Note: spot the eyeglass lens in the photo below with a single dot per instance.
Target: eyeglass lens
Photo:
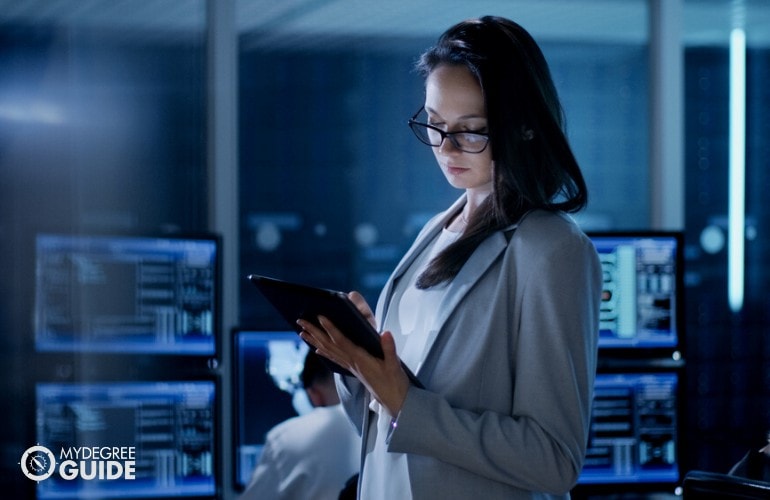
(469, 142)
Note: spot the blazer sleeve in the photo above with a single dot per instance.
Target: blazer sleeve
(540, 445)
(354, 400)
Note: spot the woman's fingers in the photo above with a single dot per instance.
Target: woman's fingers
(313, 335)
(384, 378)
(329, 341)
(358, 300)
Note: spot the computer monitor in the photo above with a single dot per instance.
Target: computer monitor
(266, 391)
(164, 432)
(634, 430)
(643, 286)
(127, 294)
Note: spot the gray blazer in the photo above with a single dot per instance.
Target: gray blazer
(509, 375)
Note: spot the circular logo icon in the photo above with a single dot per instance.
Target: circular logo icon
(38, 463)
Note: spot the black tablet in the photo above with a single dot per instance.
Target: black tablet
(295, 301)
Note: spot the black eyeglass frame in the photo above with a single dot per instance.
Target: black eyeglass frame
(444, 135)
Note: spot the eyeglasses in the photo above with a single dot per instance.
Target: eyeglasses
(469, 142)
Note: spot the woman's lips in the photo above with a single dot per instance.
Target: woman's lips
(455, 170)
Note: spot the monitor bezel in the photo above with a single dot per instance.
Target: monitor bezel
(235, 389)
(83, 348)
(675, 352)
(217, 445)
(589, 490)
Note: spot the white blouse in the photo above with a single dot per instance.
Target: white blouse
(410, 319)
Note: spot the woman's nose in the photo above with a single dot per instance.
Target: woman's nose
(448, 146)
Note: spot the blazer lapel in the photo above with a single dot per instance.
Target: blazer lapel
(478, 263)
(427, 235)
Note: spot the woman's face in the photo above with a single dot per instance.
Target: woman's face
(454, 103)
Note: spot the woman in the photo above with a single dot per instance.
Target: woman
(495, 306)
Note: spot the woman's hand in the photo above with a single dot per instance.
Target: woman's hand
(384, 378)
(359, 301)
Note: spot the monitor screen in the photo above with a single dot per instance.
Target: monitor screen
(127, 439)
(642, 289)
(121, 294)
(633, 436)
(267, 391)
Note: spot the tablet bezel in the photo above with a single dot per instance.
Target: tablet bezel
(295, 301)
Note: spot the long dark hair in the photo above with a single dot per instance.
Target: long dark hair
(534, 166)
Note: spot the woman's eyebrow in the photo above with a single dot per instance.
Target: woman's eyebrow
(463, 117)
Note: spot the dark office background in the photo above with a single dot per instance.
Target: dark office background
(333, 187)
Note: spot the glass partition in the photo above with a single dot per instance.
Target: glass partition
(102, 133)
(727, 68)
(334, 186)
